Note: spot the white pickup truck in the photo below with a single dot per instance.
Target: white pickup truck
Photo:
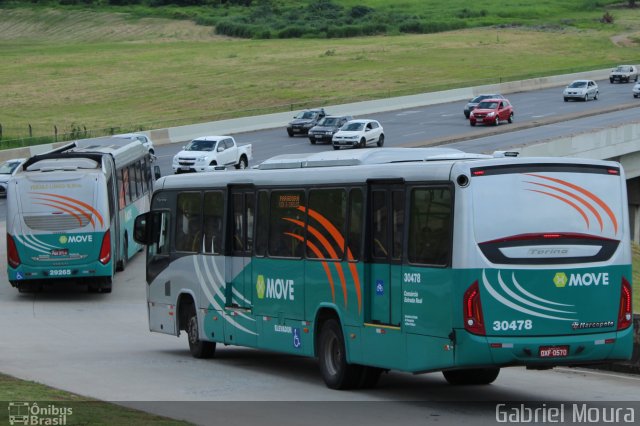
(209, 153)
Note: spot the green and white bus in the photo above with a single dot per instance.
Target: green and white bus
(416, 260)
(70, 213)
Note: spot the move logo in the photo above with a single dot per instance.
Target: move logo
(64, 239)
(260, 287)
(275, 288)
(581, 280)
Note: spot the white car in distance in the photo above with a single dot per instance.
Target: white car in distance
(359, 134)
(8, 169)
(581, 90)
(146, 140)
(636, 90)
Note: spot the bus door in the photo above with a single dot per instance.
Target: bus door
(384, 248)
(239, 290)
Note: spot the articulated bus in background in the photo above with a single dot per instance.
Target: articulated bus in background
(415, 260)
(70, 213)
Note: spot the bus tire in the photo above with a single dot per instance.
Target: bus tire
(332, 355)
(471, 376)
(197, 347)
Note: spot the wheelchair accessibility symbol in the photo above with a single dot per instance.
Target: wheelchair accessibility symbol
(296, 338)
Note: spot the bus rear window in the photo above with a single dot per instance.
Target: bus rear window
(547, 215)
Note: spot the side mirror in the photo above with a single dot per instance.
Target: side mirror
(156, 172)
(140, 229)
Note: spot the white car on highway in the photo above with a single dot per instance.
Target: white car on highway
(359, 133)
(8, 169)
(146, 140)
(581, 90)
(636, 90)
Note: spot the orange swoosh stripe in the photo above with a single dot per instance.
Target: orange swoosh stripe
(71, 206)
(327, 245)
(571, 203)
(580, 199)
(73, 200)
(339, 239)
(71, 212)
(583, 191)
(325, 265)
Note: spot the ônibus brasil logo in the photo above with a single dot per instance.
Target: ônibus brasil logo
(64, 239)
(581, 280)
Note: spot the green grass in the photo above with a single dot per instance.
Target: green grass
(84, 411)
(82, 69)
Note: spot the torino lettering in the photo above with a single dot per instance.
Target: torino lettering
(280, 289)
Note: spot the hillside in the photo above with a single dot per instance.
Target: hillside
(73, 69)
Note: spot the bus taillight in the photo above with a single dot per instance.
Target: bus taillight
(472, 307)
(625, 314)
(105, 249)
(12, 253)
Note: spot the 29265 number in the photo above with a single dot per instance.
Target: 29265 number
(512, 325)
(59, 272)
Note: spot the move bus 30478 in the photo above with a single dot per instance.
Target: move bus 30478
(416, 260)
(70, 213)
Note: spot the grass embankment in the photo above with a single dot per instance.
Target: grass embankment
(83, 411)
(76, 70)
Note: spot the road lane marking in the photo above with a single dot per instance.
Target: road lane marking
(596, 373)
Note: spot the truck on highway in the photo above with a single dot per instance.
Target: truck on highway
(209, 153)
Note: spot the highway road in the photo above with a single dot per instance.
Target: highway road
(98, 345)
(539, 115)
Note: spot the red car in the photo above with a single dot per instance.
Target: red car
(492, 111)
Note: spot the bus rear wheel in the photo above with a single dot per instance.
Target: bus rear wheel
(197, 347)
(472, 376)
(332, 354)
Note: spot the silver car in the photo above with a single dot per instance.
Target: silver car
(146, 140)
(8, 169)
(581, 90)
(636, 90)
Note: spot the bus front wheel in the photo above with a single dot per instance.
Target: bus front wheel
(472, 376)
(336, 372)
(197, 347)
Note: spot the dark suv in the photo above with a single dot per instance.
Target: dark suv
(470, 106)
(304, 121)
(324, 130)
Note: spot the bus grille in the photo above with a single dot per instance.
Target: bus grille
(62, 222)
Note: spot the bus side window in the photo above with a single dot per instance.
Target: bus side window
(188, 222)
(213, 214)
(354, 240)
(161, 229)
(286, 225)
(380, 246)
(262, 223)
(430, 226)
(328, 213)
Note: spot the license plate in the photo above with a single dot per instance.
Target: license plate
(553, 351)
(60, 252)
(184, 168)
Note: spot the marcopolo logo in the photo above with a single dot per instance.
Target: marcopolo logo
(587, 279)
(275, 288)
(64, 239)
